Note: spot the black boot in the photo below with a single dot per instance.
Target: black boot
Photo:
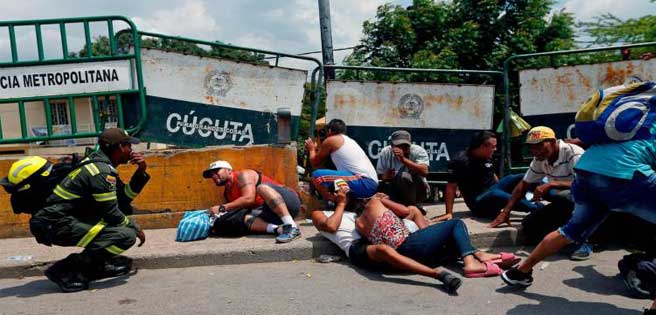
(101, 265)
(68, 279)
(114, 267)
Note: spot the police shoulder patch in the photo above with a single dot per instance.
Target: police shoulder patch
(111, 179)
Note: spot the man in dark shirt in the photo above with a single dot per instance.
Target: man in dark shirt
(473, 172)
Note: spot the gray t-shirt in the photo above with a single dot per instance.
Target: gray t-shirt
(387, 160)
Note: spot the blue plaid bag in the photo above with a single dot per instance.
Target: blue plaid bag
(194, 225)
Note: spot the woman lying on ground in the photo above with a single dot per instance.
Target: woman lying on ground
(380, 223)
(339, 227)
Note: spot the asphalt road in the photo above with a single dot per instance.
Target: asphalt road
(562, 287)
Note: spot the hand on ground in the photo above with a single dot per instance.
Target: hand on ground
(444, 217)
(503, 217)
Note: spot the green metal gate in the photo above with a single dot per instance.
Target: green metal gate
(99, 100)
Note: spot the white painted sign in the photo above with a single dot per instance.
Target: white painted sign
(222, 82)
(564, 89)
(411, 105)
(77, 78)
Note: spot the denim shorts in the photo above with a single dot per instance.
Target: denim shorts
(595, 195)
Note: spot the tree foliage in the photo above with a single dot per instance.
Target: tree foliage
(608, 29)
(101, 47)
(461, 34)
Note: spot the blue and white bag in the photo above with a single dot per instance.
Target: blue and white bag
(194, 225)
(619, 113)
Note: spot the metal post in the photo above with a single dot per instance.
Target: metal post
(326, 37)
(284, 120)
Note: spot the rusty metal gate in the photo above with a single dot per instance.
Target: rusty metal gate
(551, 96)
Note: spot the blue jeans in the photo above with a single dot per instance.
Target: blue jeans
(489, 203)
(595, 195)
(437, 242)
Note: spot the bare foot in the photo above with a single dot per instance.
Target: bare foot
(483, 256)
(474, 267)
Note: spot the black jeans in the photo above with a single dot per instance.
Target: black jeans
(405, 188)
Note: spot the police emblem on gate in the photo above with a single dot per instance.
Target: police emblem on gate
(411, 106)
(218, 83)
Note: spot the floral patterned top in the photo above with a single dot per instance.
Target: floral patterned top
(388, 229)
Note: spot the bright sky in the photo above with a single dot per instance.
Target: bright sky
(290, 26)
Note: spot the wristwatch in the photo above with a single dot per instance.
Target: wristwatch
(222, 208)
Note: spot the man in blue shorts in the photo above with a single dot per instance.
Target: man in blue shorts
(609, 177)
(353, 165)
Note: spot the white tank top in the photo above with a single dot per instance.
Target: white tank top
(350, 157)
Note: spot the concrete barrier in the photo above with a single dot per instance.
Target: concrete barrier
(176, 183)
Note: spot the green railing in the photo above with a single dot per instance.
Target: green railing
(98, 100)
(506, 153)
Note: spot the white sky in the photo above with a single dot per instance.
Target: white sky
(290, 26)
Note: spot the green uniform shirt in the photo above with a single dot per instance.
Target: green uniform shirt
(93, 193)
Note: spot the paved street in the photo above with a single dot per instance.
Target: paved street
(305, 287)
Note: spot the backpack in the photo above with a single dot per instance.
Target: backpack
(619, 113)
(639, 274)
(32, 179)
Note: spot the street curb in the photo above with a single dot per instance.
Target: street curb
(305, 248)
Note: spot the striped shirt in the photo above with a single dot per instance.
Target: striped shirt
(561, 170)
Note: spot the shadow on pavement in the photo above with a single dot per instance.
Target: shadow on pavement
(607, 286)
(387, 275)
(562, 306)
(31, 289)
(44, 286)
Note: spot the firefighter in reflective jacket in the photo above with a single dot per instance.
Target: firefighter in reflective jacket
(88, 209)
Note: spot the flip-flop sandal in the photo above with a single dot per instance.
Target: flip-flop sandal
(507, 260)
(492, 270)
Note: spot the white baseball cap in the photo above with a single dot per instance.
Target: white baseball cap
(215, 166)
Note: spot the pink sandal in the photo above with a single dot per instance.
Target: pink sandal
(492, 270)
(507, 260)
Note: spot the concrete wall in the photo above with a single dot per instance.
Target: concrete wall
(176, 183)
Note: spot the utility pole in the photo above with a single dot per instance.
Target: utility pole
(326, 37)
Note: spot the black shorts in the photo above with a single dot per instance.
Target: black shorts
(292, 201)
(232, 223)
(358, 256)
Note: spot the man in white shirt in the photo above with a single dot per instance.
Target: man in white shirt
(555, 160)
(353, 165)
(403, 168)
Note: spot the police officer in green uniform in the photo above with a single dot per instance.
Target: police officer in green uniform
(88, 209)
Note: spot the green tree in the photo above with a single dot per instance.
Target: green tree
(101, 47)
(306, 110)
(608, 29)
(462, 34)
